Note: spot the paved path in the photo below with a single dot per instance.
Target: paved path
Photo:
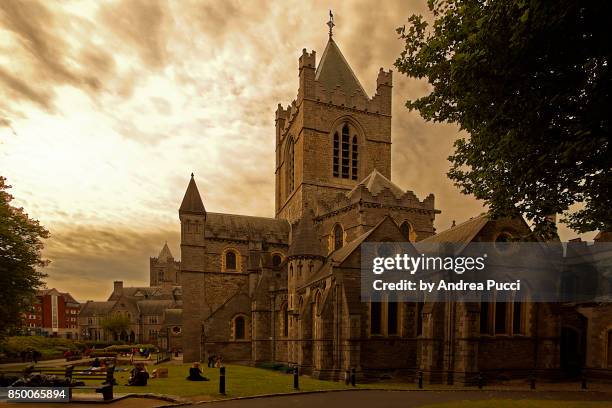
(393, 399)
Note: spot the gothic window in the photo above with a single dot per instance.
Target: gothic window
(299, 270)
(345, 155)
(338, 237)
(345, 151)
(406, 230)
(485, 310)
(609, 348)
(517, 325)
(375, 318)
(230, 261)
(517, 315)
(419, 318)
(354, 159)
(500, 317)
(285, 315)
(392, 316)
(276, 260)
(336, 163)
(239, 328)
(291, 271)
(290, 173)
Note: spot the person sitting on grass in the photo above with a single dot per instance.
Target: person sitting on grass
(195, 373)
(139, 375)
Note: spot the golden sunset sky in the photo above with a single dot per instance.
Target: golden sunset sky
(107, 107)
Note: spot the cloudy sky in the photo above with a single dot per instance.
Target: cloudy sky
(107, 107)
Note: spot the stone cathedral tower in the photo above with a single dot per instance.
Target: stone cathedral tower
(332, 136)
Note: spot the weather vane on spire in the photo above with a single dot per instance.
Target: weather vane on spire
(330, 23)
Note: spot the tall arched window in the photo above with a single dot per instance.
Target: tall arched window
(285, 314)
(375, 318)
(392, 316)
(230, 261)
(354, 158)
(345, 154)
(345, 151)
(239, 328)
(336, 162)
(609, 348)
(485, 310)
(517, 315)
(419, 318)
(290, 160)
(338, 237)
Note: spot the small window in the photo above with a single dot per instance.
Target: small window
(239, 328)
(338, 237)
(276, 260)
(230, 260)
(406, 230)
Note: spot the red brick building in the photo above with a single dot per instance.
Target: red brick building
(53, 314)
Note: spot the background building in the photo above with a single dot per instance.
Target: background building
(53, 314)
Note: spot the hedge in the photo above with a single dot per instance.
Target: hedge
(127, 348)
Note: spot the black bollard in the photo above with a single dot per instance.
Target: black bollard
(296, 379)
(347, 377)
(532, 382)
(583, 384)
(480, 381)
(353, 379)
(420, 379)
(222, 380)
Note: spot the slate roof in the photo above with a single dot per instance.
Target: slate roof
(232, 226)
(305, 240)
(145, 292)
(375, 183)
(463, 233)
(334, 70)
(192, 201)
(91, 309)
(153, 307)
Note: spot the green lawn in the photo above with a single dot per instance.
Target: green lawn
(240, 381)
(498, 403)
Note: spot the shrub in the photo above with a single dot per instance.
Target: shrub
(127, 348)
(49, 347)
(101, 353)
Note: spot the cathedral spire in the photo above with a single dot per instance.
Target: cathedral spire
(331, 24)
(192, 201)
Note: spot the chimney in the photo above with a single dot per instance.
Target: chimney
(118, 286)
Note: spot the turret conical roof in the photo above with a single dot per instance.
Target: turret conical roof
(192, 202)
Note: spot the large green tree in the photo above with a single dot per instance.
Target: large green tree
(530, 82)
(116, 323)
(20, 260)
